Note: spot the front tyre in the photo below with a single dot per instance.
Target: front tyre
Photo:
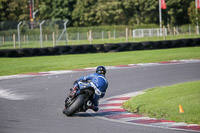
(78, 103)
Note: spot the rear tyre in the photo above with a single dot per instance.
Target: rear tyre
(78, 103)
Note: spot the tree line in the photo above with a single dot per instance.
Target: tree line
(102, 12)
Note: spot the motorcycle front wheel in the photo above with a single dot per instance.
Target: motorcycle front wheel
(78, 103)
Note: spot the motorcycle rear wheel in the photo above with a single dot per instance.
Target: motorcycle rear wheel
(78, 103)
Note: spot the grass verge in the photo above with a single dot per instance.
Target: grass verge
(163, 102)
(9, 66)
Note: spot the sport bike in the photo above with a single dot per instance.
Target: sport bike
(79, 98)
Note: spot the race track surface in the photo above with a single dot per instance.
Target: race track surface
(34, 104)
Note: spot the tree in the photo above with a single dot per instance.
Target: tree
(84, 14)
(98, 12)
(3, 12)
(177, 11)
(56, 9)
(141, 11)
(14, 10)
(193, 13)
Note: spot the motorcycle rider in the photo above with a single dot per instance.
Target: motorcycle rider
(98, 81)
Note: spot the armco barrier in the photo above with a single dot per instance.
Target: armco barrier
(97, 48)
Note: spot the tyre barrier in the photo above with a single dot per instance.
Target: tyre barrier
(99, 48)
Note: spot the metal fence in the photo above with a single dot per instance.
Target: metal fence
(149, 32)
(53, 33)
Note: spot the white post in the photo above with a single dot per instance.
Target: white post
(27, 39)
(142, 33)
(126, 34)
(109, 34)
(65, 29)
(197, 17)
(189, 30)
(78, 36)
(160, 14)
(114, 34)
(150, 32)
(90, 36)
(41, 43)
(46, 37)
(19, 33)
(3, 39)
(54, 44)
(14, 44)
(102, 35)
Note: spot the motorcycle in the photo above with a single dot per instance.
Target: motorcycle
(79, 98)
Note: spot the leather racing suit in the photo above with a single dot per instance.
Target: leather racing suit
(98, 82)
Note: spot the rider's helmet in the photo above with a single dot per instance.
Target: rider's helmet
(101, 70)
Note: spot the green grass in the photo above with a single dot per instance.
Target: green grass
(163, 102)
(9, 66)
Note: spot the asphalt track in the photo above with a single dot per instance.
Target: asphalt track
(37, 102)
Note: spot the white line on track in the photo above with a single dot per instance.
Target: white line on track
(6, 94)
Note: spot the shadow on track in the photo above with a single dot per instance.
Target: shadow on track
(97, 114)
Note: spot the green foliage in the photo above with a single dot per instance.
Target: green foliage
(193, 13)
(56, 9)
(15, 10)
(101, 12)
(176, 13)
(3, 12)
(84, 13)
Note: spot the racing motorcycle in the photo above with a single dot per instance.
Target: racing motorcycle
(79, 98)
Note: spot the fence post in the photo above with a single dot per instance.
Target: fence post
(46, 37)
(3, 39)
(78, 36)
(14, 43)
(27, 39)
(66, 35)
(41, 41)
(87, 35)
(53, 39)
(197, 29)
(174, 31)
(108, 34)
(126, 34)
(24, 39)
(164, 36)
(189, 30)
(102, 35)
(114, 34)
(169, 29)
(19, 33)
(90, 36)
(142, 33)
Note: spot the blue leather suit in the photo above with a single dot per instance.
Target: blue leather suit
(100, 83)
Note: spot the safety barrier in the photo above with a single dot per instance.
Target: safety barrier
(99, 48)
